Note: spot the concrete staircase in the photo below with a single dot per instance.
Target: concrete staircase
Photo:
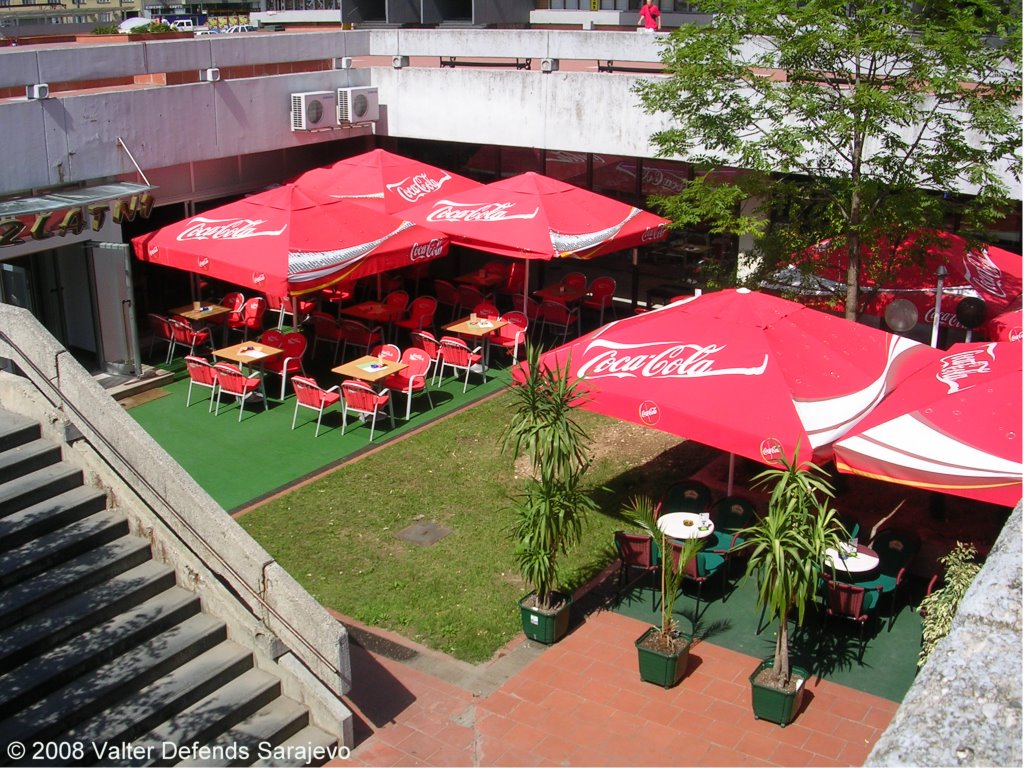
(99, 645)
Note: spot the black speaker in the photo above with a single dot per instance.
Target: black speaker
(971, 312)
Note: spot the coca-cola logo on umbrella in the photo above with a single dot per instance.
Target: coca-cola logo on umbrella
(415, 187)
(983, 274)
(258, 278)
(424, 251)
(771, 450)
(667, 360)
(649, 412)
(203, 262)
(202, 228)
(488, 213)
(958, 368)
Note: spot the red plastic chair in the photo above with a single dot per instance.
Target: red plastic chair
(183, 335)
(201, 373)
(470, 297)
(421, 314)
(361, 399)
(413, 379)
(602, 291)
(326, 328)
(512, 336)
(251, 318)
(457, 355)
(160, 333)
(447, 296)
(283, 305)
(559, 318)
(231, 381)
(852, 602)
(426, 341)
(575, 280)
(309, 394)
(288, 362)
(529, 307)
(387, 352)
(396, 302)
(486, 310)
(360, 336)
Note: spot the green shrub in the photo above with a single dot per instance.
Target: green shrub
(938, 609)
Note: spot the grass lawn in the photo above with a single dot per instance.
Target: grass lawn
(339, 534)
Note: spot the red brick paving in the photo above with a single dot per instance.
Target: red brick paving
(582, 703)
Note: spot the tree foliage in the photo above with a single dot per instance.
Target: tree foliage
(550, 512)
(939, 608)
(856, 121)
(787, 547)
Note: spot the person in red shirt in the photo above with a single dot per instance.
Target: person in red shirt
(650, 16)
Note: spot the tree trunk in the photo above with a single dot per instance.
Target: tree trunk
(853, 259)
(781, 663)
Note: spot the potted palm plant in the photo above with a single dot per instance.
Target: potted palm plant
(787, 553)
(550, 512)
(663, 651)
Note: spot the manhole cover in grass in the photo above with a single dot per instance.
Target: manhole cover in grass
(424, 533)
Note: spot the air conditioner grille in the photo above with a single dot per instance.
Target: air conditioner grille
(358, 105)
(312, 111)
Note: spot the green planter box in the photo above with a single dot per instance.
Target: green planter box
(545, 627)
(664, 669)
(772, 704)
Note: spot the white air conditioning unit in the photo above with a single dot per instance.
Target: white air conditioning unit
(312, 111)
(358, 105)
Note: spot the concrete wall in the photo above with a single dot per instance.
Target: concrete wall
(264, 607)
(965, 706)
(72, 136)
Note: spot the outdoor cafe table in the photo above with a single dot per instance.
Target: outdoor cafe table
(862, 560)
(369, 368)
(249, 354)
(480, 328)
(204, 311)
(561, 293)
(481, 279)
(372, 311)
(685, 525)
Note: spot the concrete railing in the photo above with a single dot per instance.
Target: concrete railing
(964, 708)
(236, 577)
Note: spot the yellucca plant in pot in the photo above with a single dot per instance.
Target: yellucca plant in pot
(663, 651)
(787, 553)
(550, 512)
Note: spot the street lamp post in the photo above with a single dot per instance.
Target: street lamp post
(940, 275)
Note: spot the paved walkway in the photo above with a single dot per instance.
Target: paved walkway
(581, 702)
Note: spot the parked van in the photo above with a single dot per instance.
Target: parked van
(183, 25)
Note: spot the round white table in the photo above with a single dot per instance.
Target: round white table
(861, 561)
(685, 525)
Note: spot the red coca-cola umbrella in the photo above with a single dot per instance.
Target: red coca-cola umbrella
(531, 216)
(282, 242)
(381, 180)
(746, 372)
(1006, 326)
(908, 271)
(954, 426)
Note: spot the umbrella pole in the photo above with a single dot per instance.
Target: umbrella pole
(732, 474)
(636, 277)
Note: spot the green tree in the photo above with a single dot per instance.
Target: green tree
(857, 121)
(550, 512)
(787, 548)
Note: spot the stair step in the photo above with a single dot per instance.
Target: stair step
(68, 617)
(310, 746)
(86, 570)
(92, 693)
(177, 690)
(48, 515)
(218, 711)
(27, 457)
(240, 745)
(60, 546)
(33, 487)
(16, 430)
(48, 671)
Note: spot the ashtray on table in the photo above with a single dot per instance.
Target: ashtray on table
(687, 523)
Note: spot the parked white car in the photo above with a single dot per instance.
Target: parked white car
(241, 28)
